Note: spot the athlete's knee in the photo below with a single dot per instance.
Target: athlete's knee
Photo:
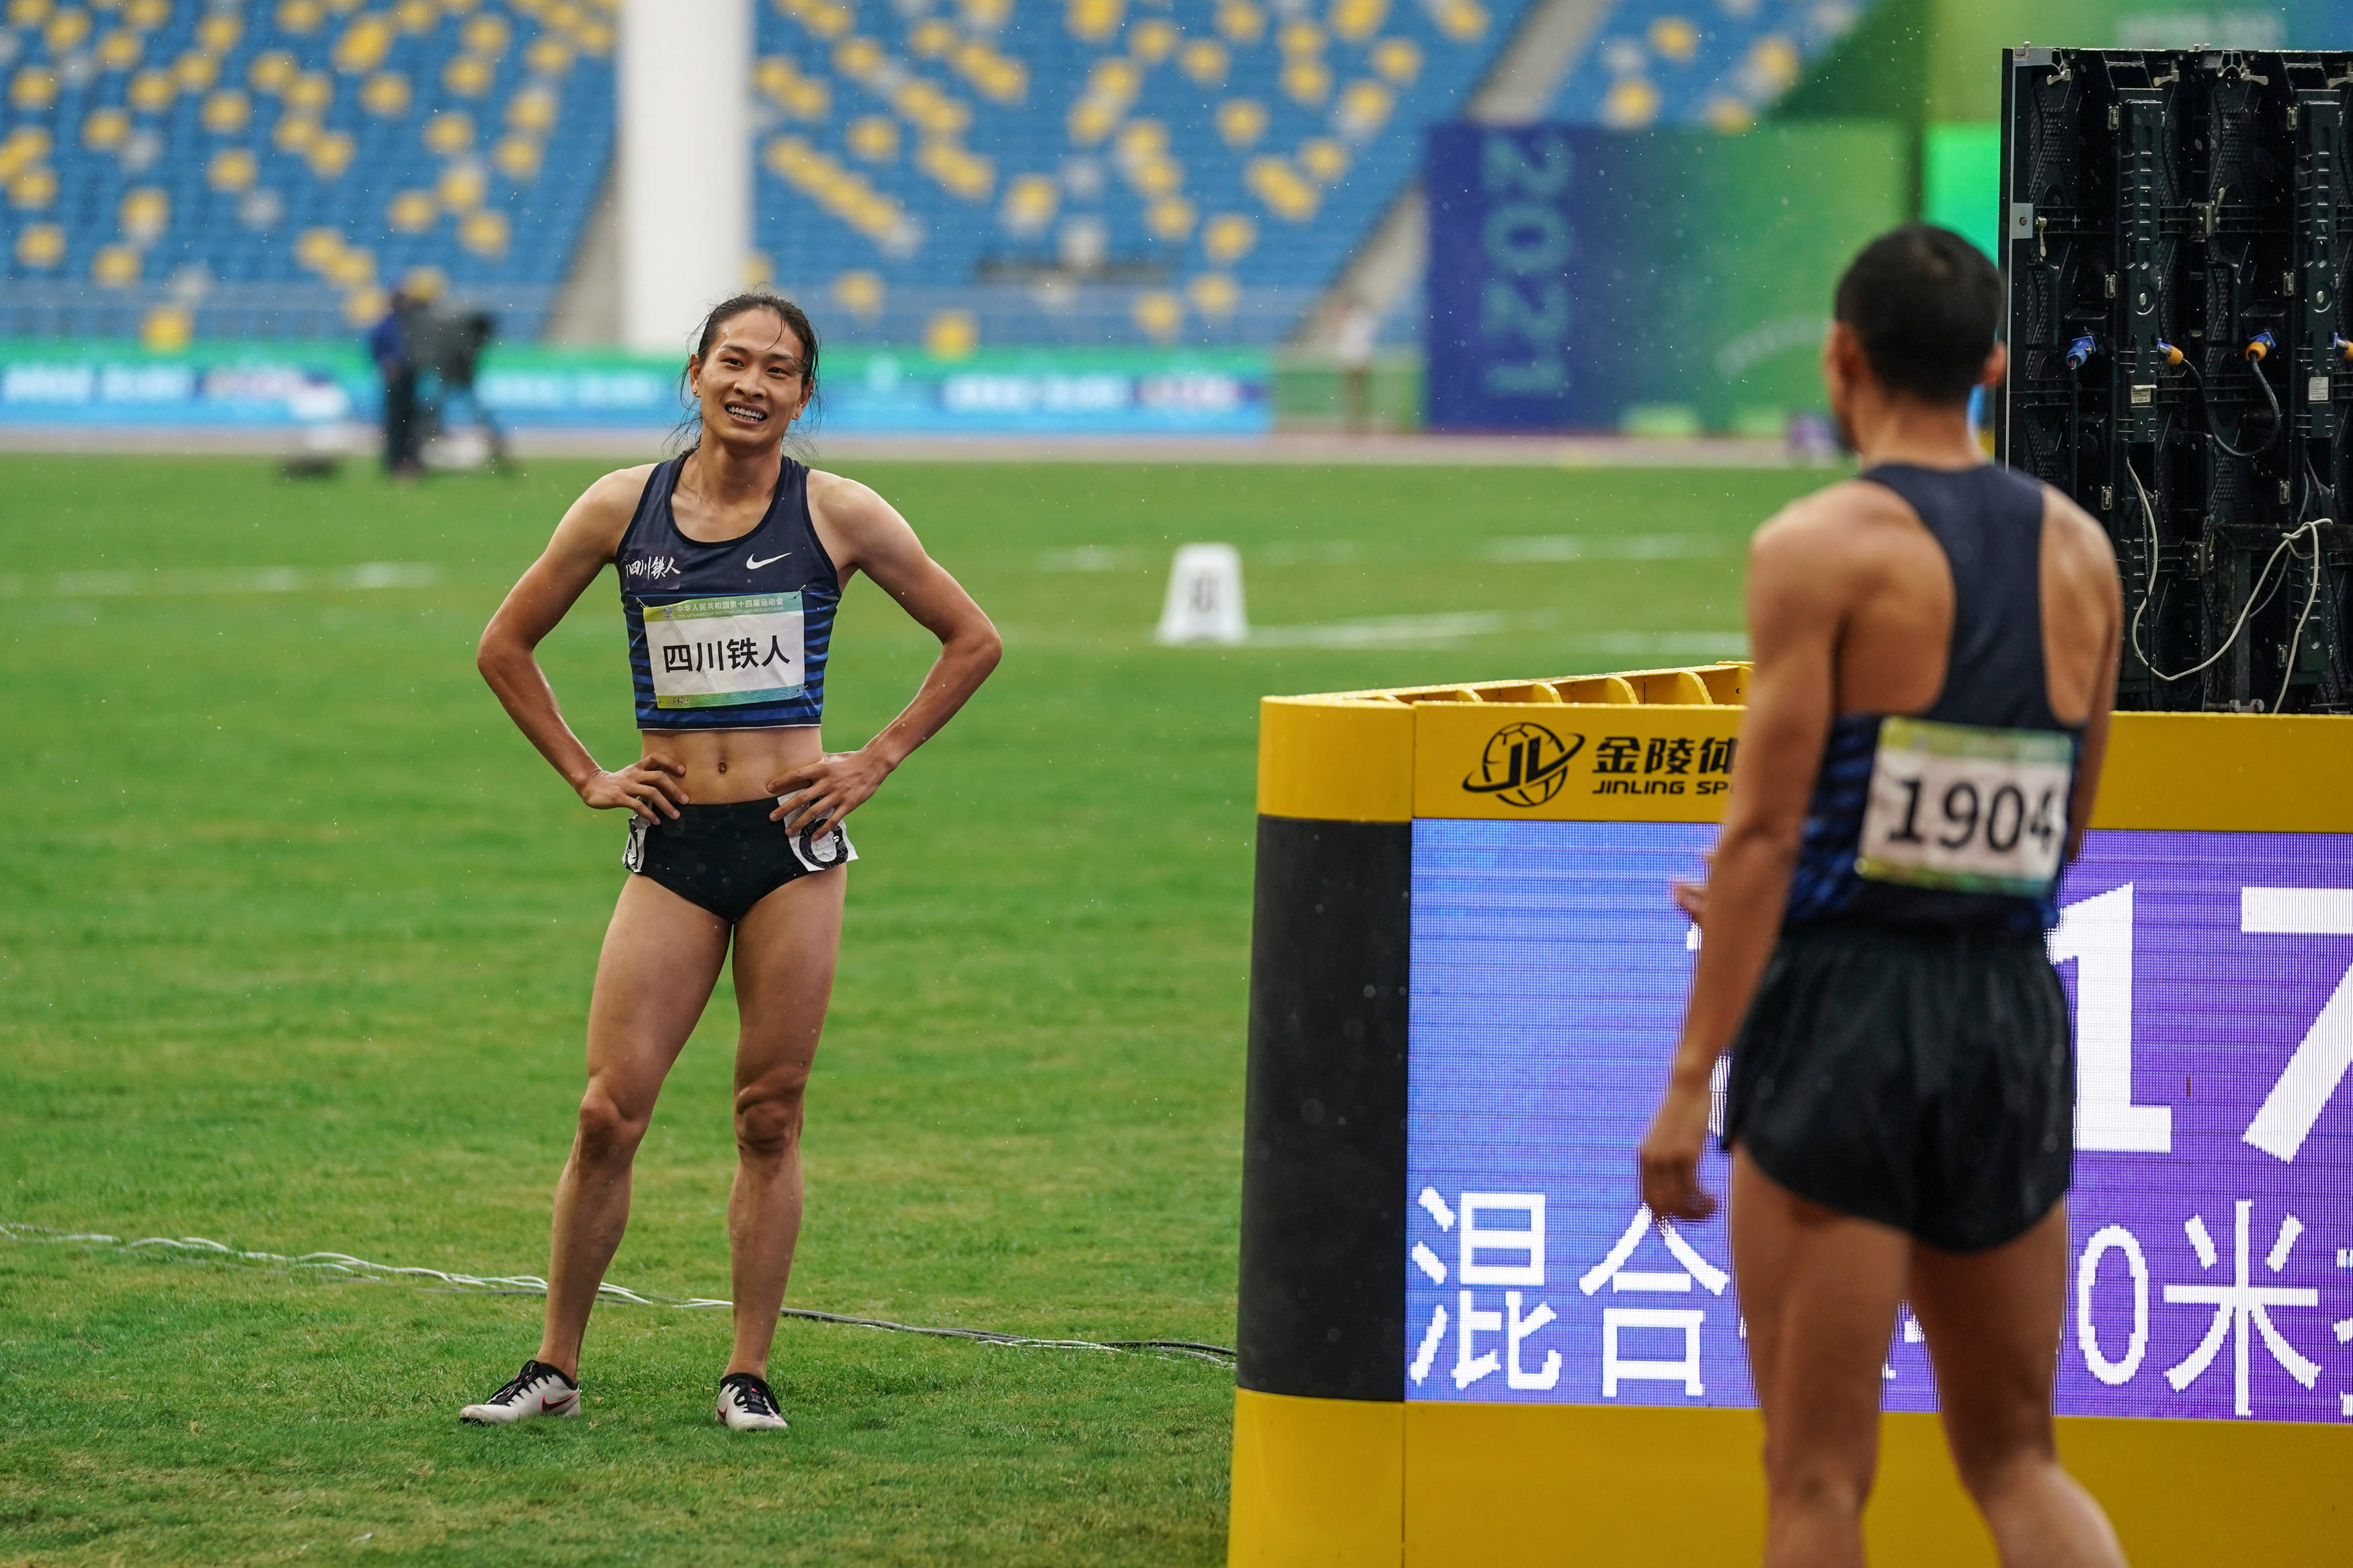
(1819, 1482)
(610, 1130)
(768, 1117)
(1995, 1469)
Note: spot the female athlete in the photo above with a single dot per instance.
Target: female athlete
(731, 559)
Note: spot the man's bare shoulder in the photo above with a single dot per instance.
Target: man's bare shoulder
(1829, 524)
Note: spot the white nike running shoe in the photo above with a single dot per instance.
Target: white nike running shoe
(537, 1390)
(746, 1403)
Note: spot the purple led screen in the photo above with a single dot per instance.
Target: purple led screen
(2211, 978)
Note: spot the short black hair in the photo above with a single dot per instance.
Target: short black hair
(1926, 306)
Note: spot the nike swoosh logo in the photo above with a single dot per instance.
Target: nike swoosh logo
(753, 562)
(546, 1404)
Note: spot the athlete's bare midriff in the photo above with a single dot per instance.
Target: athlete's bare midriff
(723, 766)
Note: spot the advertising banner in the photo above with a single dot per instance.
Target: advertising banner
(295, 385)
(1679, 280)
(2211, 976)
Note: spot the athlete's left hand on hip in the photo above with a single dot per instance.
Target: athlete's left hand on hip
(813, 797)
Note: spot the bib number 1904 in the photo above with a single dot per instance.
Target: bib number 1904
(1968, 809)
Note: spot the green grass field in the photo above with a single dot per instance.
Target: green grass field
(296, 948)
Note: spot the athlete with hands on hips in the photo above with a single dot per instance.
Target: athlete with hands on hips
(732, 559)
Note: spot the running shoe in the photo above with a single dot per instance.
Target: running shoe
(746, 1403)
(537, 1390)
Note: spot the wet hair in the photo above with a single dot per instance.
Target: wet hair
(688, 434)
(1926, 306)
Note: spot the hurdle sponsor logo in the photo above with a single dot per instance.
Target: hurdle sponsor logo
(1662, 765)
(1523, 765)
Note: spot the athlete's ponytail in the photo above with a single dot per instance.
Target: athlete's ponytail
(688, 432)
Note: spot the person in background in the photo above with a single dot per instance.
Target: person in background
(1352, 348)
(391, 344)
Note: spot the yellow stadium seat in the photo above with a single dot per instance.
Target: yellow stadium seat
(873, 137)
(1205, 60)
(232, 169)
(1729, 115)
(294, 133)
(548, 56)
(317, 248)
(829, 21)
(1400, 60)
(1156, 177)
(595, 38)
(1001, 78)
(1630, 103)
(1676, 39)
(1091, 119)
(532, 109)
(144, 214)
(425, 282)
(298, 16)
(951, 334)
(35, 88)
(933, 112)
(1241, 121)
(517, 157)
(1300, 36)
(985, 15)
(759, 270)
(1115, 78)
(932, 38)
(271, 71)
(1774, 60)
(859, 58)
(1325, 160)
(119, 50)
(469, 76)
(1158, 314)
(462, 187)
(147, 15)
(1171, 217)
(1142, 139)
(959, 169)
(1365, 106)
(115, 266)
(1094, 21)
(1152, 40)
(25, 145)
(27, 12)
(416, 16)
(166, 329)
(1215, 294)
(484, 233)
(1030, 202)
(65, 32)
(411, 212)
(1287, 193)
(105, 129)
(363, 46)
(197, 72)
(152, 92)
(385, 94)
(1242, 21)
(860, 293)
(486, 34)
(449, 133)
(364, 307)
(1357, 20)
(351, 267)
(41, 245)
(1462, 20)
(1307, 80)
(330, 154)
(226, 112)
(219, 32)
(310, 91)
(33, 188)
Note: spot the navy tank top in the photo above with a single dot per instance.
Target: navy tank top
(1990, 768)
(730, 636)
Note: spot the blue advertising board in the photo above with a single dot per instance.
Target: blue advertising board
(2211, 976)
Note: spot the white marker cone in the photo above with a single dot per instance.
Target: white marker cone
(1205, 596)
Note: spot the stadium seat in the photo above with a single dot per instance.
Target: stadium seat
(214, 155)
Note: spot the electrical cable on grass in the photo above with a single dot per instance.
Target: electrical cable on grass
(532, 1285)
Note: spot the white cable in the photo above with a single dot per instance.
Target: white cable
(532, 1285)
(2311, 596)
(2148, 514)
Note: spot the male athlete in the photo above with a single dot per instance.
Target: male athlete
(1936, 651)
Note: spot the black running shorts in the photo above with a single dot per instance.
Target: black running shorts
(728, 858)
(1923, 1077)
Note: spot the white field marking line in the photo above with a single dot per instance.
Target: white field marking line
(1380, 629)
(532, 1285)
(247, 580)
(1605, 547)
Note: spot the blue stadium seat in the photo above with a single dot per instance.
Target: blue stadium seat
(1698, 62)
(174, 167)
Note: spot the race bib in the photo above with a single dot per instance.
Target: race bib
(1966, 809)
(720, 653)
